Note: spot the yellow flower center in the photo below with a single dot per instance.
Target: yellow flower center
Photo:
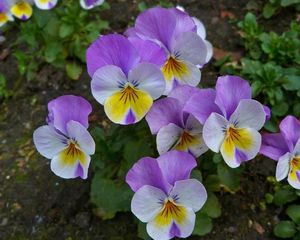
(174, 68)
(186, 140)
(170, 211)
(3, 18)
(294, 167)
(129, 93)
(72, 154)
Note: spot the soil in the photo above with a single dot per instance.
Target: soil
(35, 204)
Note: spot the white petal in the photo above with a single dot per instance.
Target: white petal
(186, 227)
(147, 202)
(296, 151)
(294, 183)
(249, 114)
(45, 5)
(190, 47)
(85, 6)
(106, 81)
(189, 193)
(159, 232)
(283, 166)
(210, 51)
(200, 28)
(214, 131)
(149, 78)
(193, 76)
(48, 142)
(167, 137)
(84, 139)
(68, 171)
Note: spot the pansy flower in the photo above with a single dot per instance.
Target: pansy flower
(5, 14)
(126, 77)
(165, 198)
(284, 147)
(65, 140)
(21, 9)
(176, 129)
(89, 4)
(45, 4)
(231, 119)
(176, 32)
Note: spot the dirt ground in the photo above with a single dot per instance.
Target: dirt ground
(35, 204)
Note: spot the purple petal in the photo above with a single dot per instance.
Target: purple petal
(185, 23)
(298, 175)
(290, 129)
(240, 156)
(174, 231)
(176, 165)
(79, 171)
(163, 112)
(149, 51)
(112, 49)
(183, 93)
(202, 104)
(229, 91)
(146, 172)
(273, 145)
(130, 118)
(66, 108)
(267, 112)
(157, 24)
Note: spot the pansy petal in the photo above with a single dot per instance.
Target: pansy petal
(210, 51)
(249, 113)
(147, 202)
(21, 10)
(157, 23)
(242, 146)
(64, 168)
(200, 28)
(183, 93)
(128, 106)
(214, 131)
(184, 23)
(189, 193)
(106, 81)
(148, 77)
(290, 129)
(149, 51)
(163, 112)
(146, 172)
(82, 137)
(191, 48)
(48, 142)
(206, 98)
(191, 77)
(45, 4)
(267, 112)
(185, 227)
(78, 109)
(157, 232)
(167, 137)
(112, 49)
(230, 90)
(176, 165)
(283, 166)
(89, 4)
(273, 146)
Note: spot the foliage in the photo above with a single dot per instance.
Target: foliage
(4, 92)
(59, 37)
(274, 6)
(271, 65)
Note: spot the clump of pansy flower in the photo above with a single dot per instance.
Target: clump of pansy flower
(162, 54)
(22, 9)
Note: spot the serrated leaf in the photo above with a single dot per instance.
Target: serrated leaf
(65, 30)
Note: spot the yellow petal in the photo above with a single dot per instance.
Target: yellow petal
(294, 168)
(21, 10)
(71, 155)
(186, 141)
(128, 106)
(174, 68)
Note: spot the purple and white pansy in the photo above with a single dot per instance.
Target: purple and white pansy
(165, 197)
(89, 4)
(126, 76)
(65, 140)
(231, 119)
(176, 129)
(176, 32)
(284, 147)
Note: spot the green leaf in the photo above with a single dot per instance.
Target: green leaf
(212, 183)
(280, 109)
(269, 10)
(142, 6)
(284, 195)
(229, 177)
(212, 207)
(296, 109)
(73, 70)
(203, 224)
(293, 82)
(293, 212)
(65, 30)
(196, 174)
(53, 51)
(285, 229)
(110, 197)
(285, 3)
